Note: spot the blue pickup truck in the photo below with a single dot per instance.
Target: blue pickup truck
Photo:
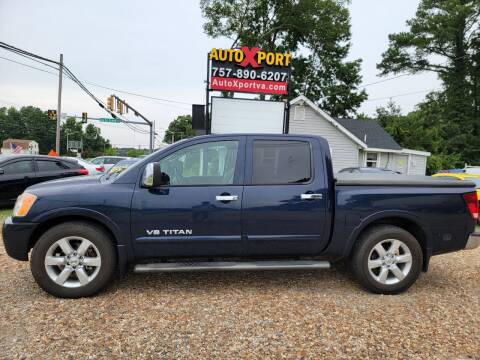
(238, 202)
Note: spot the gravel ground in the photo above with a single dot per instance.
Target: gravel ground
(294, 315)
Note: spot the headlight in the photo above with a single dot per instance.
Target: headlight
(23, 204)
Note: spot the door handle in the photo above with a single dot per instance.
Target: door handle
(311, 196)
(226, 197)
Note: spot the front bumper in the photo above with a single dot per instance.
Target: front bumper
(473, 241)
(16, 238)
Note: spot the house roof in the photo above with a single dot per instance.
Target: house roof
(302, 99)
(370, 132)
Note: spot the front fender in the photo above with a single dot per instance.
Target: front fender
(85, 213)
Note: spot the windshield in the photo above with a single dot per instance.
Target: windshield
(145, 160)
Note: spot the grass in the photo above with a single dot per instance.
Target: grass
(4, 213)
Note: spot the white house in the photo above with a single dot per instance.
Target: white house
(19, 146)
(355, 143)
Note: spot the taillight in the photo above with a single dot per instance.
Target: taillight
(82, 172)
(472, 203)
(100, 168)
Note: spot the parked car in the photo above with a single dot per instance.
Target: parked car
(121, 166)
(107, 161)
(455, 171)
(472, 169)
(17, 172)
(92, 168)
(368, 170)
(239, 202)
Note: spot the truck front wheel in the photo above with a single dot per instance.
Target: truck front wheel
(73, 259)
(387, 259)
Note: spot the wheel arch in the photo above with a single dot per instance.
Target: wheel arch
(405, 221)
(59, 216)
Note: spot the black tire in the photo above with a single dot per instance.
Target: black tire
(362, 251)
(97, 236)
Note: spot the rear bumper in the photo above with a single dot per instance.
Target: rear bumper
(16, 238)
(473, 241)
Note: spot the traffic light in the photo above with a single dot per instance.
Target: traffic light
(120, 107)
(110, 103)
(84, 117)
(52, 114)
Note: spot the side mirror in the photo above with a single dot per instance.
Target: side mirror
(2, 171)
(152, 176)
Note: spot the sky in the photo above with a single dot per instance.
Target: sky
(158, 49)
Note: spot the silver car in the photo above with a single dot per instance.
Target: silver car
(93, 169)
(107, 161)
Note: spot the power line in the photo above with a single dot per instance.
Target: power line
(20, 51)
(35, 57)
(402, 75)
(32, 67)
(384, 80)
(136, 94)
(405, 94)
(97, 85)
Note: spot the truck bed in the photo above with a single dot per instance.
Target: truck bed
(344, 179)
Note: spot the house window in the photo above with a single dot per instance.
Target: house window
(372, 160)
(299, 113)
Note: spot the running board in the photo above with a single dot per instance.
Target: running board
(232, 265)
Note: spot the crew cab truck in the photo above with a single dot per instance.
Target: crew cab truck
(238, 202)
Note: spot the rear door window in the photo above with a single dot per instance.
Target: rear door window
(50, 165)
(18, 167)
(281, 162)
(97, 161)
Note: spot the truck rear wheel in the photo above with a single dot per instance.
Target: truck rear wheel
(387, 259)
(74, 259)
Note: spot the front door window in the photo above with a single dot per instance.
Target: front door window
(210, 163)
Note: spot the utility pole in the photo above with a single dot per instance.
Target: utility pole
(67, 133)
(152, 136)
(59, 105)
(127, 107)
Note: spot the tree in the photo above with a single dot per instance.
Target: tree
(180, 128)
(93, 143)
(317, 32)
(136, 152)
(33, 124)
(110, 152)
(443, 38)
(418, 130)
(28, 123)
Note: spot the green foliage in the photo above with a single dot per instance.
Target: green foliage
(317, 32)
(110, 152)
(444, 37)
(28, 123)
(420, 130)
(180, 128)
(136, 152)
(33, 124)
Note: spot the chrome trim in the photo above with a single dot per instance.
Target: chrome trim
(226, 197)
(311, 196)
(232, 265)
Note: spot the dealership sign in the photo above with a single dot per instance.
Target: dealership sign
(249, 70)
